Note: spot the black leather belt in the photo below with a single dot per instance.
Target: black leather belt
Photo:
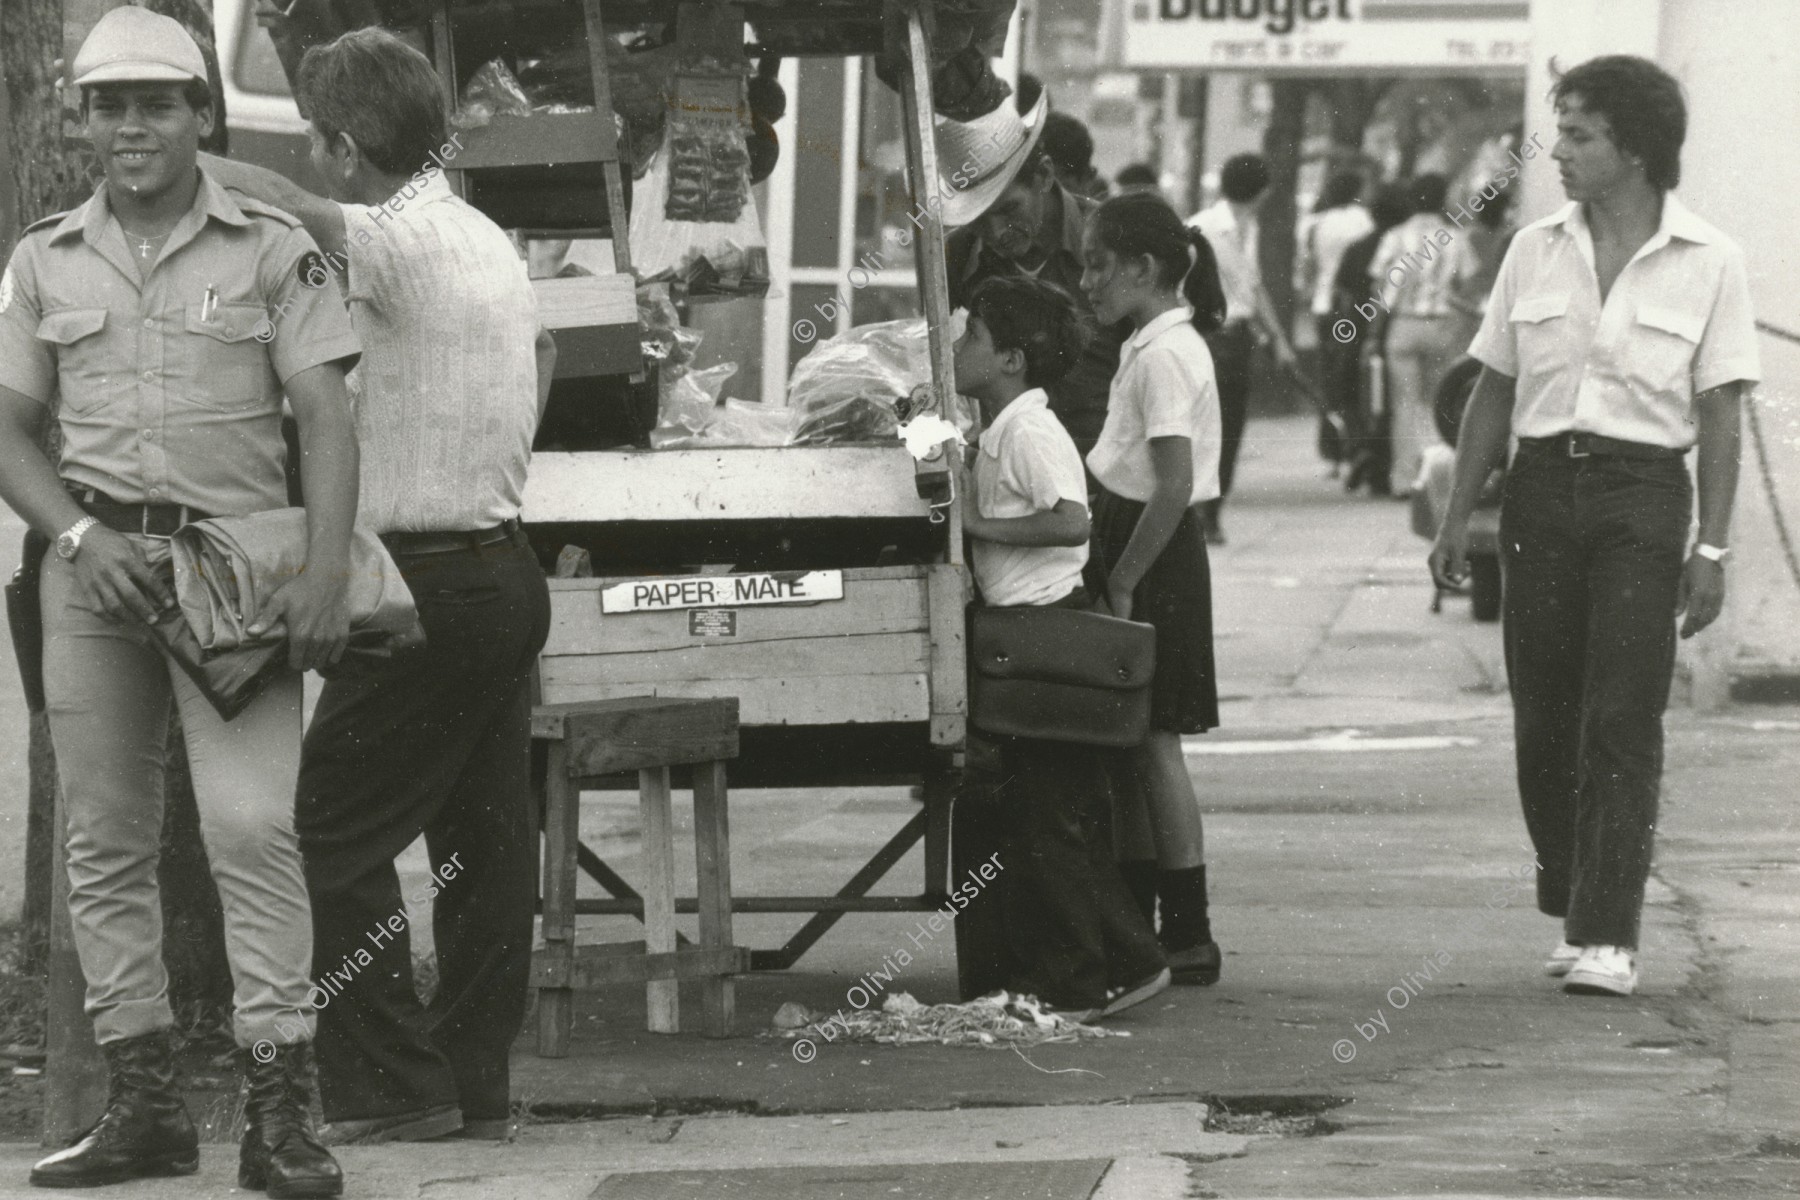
(1589, 445)
(151, 520)
(435, 542)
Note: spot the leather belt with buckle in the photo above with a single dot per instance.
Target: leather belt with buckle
(150, 520)
(434, 542)
(1591, 445)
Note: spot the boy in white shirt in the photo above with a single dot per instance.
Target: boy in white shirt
(1081, 940)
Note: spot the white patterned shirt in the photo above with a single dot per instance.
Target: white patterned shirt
(446, 393)
(1676, 323)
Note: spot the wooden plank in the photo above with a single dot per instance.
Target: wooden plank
(661, 996)
(606, 735)
(948, 599)
(791, 482)
(615, 183)
(818, 700)
(919, 121)
(508, 140)
(712, 861)
(596, 967)
(562, 829)
(878, 654)
(872, 604)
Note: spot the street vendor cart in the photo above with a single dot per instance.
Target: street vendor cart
(820, 585)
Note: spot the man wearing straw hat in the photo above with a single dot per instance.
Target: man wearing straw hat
(134, 323)
(1011, 216)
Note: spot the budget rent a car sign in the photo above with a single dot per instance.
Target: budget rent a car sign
(1328, 35)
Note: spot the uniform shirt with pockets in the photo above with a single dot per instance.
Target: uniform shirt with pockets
(1027, 464)
(1677, 323)
(446, 393)
(165, 397)
(1164, 388)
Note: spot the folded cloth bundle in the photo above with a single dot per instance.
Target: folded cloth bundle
(225, 570)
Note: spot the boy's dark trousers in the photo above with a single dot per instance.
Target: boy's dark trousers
(1073, 926)
(1594, 550)
(439, 745)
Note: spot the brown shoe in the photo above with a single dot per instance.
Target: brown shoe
(1197, 965)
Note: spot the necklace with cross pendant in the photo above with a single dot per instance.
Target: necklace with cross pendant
(144, 244)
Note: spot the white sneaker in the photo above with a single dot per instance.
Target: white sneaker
(1603, 971)
(1561, 959)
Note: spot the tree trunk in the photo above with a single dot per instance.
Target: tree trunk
(1277, 216)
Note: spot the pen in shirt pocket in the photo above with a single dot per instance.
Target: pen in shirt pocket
(209, 304)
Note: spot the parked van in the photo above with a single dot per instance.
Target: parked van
(265, 125)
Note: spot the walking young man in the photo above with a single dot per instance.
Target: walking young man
(447, 400)
(130, 322)
(1230, 225)
(1623, 323)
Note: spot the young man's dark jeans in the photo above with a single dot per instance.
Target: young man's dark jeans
(1593, 549)
(439, 745)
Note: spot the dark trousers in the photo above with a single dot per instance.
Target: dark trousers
(439, 745)
(1233, 349)
(1593, 550)
(1337, 389)
(1073, 926)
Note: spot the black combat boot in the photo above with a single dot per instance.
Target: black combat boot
(145, 1129)
(280, 1151)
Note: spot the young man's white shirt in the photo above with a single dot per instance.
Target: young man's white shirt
(1026, 464)
(1676, 323)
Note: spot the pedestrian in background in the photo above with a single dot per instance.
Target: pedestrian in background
(1071, 150)
(447, 402)
(1369, 421)
(1424, 268)
(1619, 336)
(1337, 222)
(1156, 462)
(1080, 941)
(1137, 177)
(1231, 227)
(130, 324)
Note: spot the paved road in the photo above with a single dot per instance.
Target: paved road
(1381, 984)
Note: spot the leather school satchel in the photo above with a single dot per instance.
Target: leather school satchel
(1060, 674)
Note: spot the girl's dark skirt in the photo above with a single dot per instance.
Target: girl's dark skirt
(1175, 596)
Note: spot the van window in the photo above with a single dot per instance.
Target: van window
(258, 68)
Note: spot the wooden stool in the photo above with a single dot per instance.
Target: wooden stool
(647, 734)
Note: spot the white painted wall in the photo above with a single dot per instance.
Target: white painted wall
(1737, 60)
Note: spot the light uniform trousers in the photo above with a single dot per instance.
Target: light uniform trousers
(1419, 351)
(108, 688)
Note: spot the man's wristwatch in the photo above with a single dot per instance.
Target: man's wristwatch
(69, 540)
(1712, 553)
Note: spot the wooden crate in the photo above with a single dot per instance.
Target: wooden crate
(891, 651)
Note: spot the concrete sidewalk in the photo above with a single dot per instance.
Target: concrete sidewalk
(1371, 887)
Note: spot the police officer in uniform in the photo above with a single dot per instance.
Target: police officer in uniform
(159, 324)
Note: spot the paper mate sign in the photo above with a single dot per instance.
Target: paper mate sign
(722, 591)
(1323, 35)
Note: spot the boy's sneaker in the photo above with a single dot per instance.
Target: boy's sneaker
(1602, 971)
(1119, 999)
(1561, 959)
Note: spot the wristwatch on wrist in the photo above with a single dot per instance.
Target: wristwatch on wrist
(1712, 553)
(69, 540)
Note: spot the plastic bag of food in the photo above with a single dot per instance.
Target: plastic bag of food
(492, 89)
(858, 385)
(707, 259)
(690, 404)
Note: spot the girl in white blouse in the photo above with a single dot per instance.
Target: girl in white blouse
(1158, 457)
